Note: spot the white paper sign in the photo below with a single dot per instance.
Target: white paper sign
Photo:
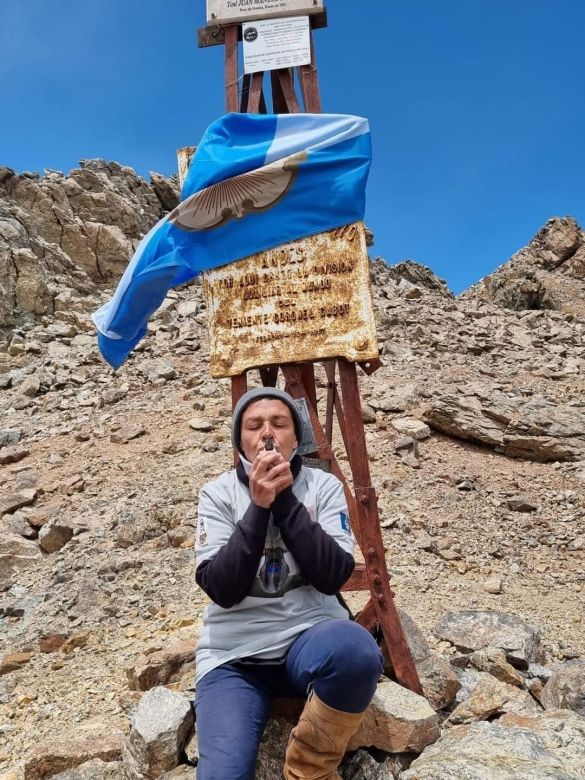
(240, 11)
(276, 43)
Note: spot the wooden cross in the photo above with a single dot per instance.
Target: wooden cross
(342, 402)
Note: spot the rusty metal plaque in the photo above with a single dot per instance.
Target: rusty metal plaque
(234, 11)
(307, 300)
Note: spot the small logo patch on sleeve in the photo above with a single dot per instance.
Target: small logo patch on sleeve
(344, 520)
(201, 533)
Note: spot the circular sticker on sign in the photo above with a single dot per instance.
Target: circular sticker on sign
(251, 34)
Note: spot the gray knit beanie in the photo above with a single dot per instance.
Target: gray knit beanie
(255, 395)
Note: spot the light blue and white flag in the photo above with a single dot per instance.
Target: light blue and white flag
(255, 182)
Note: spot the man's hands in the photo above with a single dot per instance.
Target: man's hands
(270, 474)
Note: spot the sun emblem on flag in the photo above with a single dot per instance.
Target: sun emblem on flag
(239, 196)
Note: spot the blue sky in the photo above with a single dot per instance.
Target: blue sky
(476, 107)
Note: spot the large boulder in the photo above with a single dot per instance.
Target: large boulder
(472, 630)
(549, 747)
(437, 678)
(161, 727)
(536, 429)
(59, 755)
(490, 698)
(397, 721)
(566, 688)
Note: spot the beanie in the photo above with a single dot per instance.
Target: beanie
(255, 395)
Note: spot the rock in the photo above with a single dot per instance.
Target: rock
(188, 308)
(13, 662)
(76, 640)
(493, 661)
(94, 770)
(368, 415)
(490, 698)
(60, 330)
(54, 535)
(537, 429)
(39, 516)
(356, 766)
(128, 433)
(540, 672)
(160, 729)
(439, 681)
(210, 445)
(16, 554)
(114, 395)
(11, 503)
(410, 426)
(521, 504)
(415, 639)
(162, 667)
(74, 484)
(566, 688)
(30, 387)
(397, 721)
(493, 584)
(48, 759)
(50, 643)
(161, 370)
(407, 448)
(363, 766)
(26, 479)
(13, 454)
(423, 541)
(397, 399)
(183, 536)
(420, 276)
(182, 772)
(516, 747)
(472, 630)
(199, 424)
(9, 436)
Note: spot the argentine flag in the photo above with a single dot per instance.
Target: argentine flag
(255, 182)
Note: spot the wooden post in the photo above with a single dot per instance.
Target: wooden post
(300, 378)
(372, 546)
(231, 68)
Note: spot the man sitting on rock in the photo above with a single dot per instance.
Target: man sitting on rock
(274, 546)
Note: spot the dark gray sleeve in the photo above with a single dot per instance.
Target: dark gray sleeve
(320, 558)
(228, 576)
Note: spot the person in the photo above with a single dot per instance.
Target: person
(274, 546)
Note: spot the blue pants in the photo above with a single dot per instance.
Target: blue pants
(338, 659)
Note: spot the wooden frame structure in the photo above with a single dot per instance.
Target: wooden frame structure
(343, 396)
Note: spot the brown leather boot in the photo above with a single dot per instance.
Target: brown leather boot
(318, 741)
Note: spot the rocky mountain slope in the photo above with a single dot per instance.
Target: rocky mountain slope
(74, 232)
(476, 433)
(549, 273)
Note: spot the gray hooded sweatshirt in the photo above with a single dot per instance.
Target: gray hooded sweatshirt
(244, 561)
